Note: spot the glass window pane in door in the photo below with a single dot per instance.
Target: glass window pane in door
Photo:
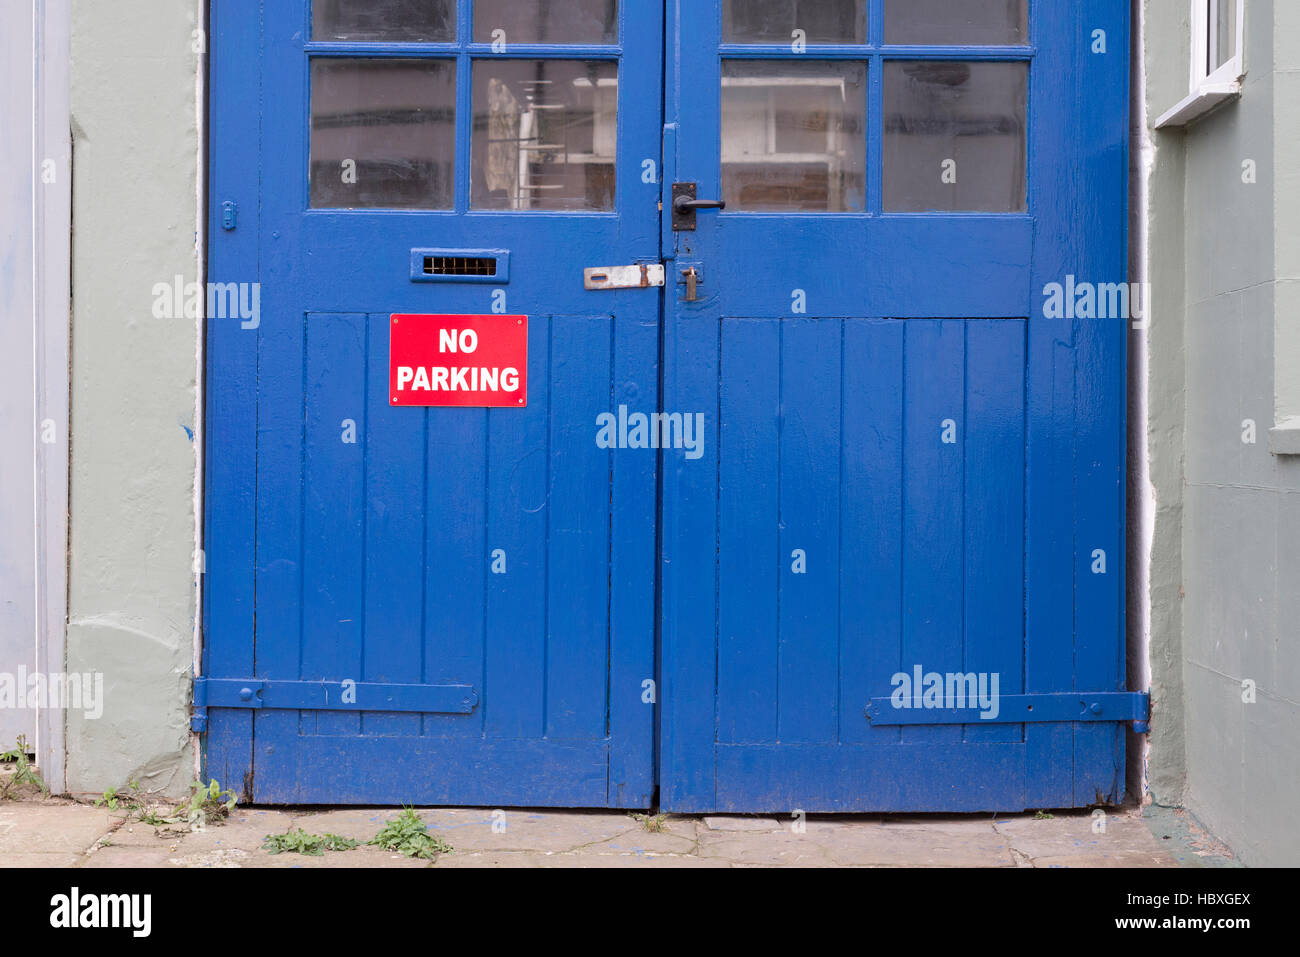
(393, 21)
(781, 21)
(793, 135)
(957, 22)
(545, 134)
(955, 136)
(546, 21)
(383, 133)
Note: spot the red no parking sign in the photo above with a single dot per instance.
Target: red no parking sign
(461, 361)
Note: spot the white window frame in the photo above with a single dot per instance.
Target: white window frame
(1209, 88)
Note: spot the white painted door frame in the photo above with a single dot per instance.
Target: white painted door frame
(35, 255)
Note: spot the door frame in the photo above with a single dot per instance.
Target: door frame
(231, 414)
(36, 353)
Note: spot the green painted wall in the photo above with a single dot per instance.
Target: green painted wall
(132, 596)
(1223, 268)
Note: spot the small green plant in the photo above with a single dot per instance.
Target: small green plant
(209, 804)
(155, 820)
(1043, 816)
(130, 798)
(409, 835)
(24, 773)
(313, 845)
(654, 823)
(136, 803)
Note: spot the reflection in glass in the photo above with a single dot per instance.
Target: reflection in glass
(775, 21)
(1224, 47)
(957, 22)
(793, 135)
(545, 134)
(955, 136)
(383, 133)
(397, 21)
(546, 21)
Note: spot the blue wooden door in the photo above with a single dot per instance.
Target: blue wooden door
(433, 605)
(915, 465)
(886, 452)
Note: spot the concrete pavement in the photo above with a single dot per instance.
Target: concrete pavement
(62, 833)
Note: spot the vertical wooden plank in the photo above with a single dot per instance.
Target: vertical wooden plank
(1050, 514)
(578, 586)
(1101, 416)
(689, 606)
(810, 461)
(633, 558)
(1049, 610)
(280, 375)
(518, 524)
(933, 513)
(457, 560)
(231, 503)
(871, 522)
(334, 508)
(749, 565)
(995, 511)
(394, 453)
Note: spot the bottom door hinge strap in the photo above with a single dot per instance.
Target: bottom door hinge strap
(269, 694)
(1115, 706)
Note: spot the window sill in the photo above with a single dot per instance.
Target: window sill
(1210, 96)
(1284, 438)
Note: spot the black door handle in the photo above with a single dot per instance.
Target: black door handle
(684, 204)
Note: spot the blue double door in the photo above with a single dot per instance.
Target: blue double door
(844, 446)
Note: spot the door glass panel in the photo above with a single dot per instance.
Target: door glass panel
(395, 21)
(383, 133)
(545, 134)
(546, 21)
(776, 21)
(955, 136)
(793, 135)
(959, 22)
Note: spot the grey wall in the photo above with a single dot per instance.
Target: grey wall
(132, 596)
(1228, 519)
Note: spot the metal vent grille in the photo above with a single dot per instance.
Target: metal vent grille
(460, 266)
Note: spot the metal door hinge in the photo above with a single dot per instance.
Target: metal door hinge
(624, 277)
(263, 694)
(229, 215)
(1114, 706)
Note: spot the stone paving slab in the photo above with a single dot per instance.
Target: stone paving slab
(734, 823)
(1119, 835)
(524, 830)
(50, 828)
(63, 833)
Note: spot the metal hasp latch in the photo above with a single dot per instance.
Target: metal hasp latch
(261, 695)
(1114, 706)
(685, 206)
(624, 277)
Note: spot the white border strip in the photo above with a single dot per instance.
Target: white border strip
(52, 294)
(201, 270)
